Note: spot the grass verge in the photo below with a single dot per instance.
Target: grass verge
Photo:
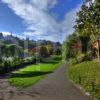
(87, 75)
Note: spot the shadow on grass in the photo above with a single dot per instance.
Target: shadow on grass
(50, 62)
(26, 74)
(57, 58)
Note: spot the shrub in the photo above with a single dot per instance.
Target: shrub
(81, 58)
(56, 57)
(84, 57)
(88, 55)
(73, 61)
(6, 63)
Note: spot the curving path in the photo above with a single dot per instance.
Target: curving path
(55, 86)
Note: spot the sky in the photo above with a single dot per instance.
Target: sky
(39, 19)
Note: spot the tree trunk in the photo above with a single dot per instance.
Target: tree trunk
(98, 52)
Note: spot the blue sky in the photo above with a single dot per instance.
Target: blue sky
(39, 19)
(64, 6)
(9, 21)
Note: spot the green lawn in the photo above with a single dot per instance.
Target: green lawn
(31, 74)
(87, 75)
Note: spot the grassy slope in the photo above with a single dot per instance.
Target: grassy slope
(31, 74)
(89, 72)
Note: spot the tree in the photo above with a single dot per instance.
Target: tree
(87, 29)
(43, 51)
(2, 51)
(1, 35)
(14, 50)
(49, 49)
(68, 48)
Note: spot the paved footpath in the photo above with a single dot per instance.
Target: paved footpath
(55, 86)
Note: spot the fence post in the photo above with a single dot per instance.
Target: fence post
(80, 80)
(93, 86)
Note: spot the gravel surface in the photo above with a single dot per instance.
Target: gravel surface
(55, 86)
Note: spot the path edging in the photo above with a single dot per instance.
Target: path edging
(82, 90)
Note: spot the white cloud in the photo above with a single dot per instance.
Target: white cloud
(69, 21)
(19, 36)
(43, 4)
(35, 15)
(6, 33)
(16, 35)
(93, 0)
(39, 22)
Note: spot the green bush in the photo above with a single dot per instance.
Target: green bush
(16, 61)
(88, 55)
(81, 58)
(56, 57)
(6, 63)
(73, 61)
(84, 57)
